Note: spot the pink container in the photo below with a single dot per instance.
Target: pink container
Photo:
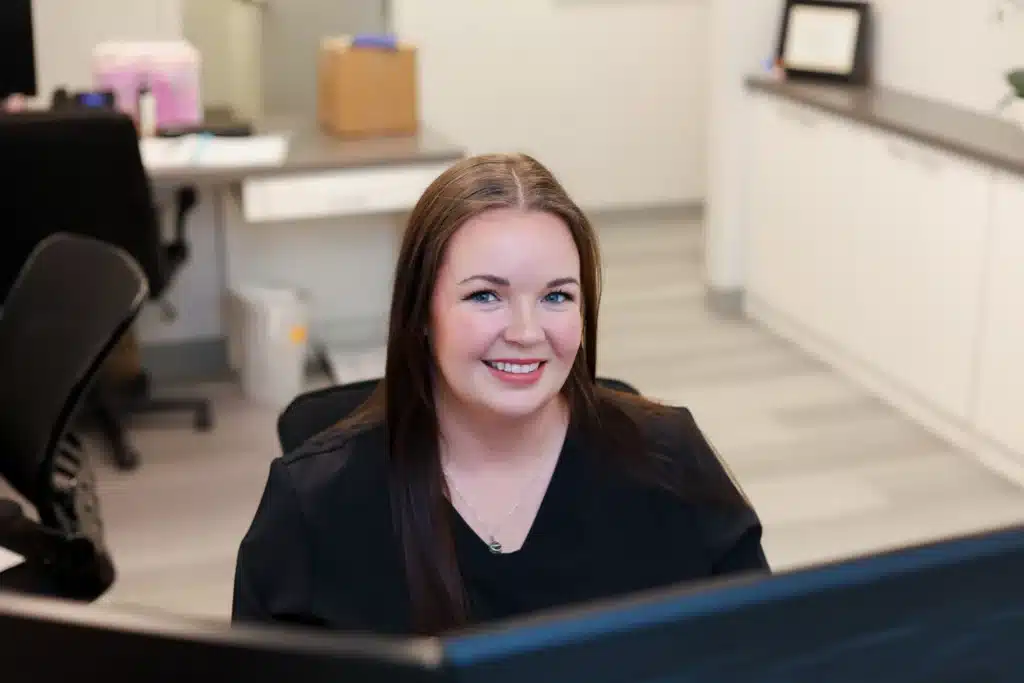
(169, 69)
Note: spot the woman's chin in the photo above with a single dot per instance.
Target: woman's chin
(516, 405)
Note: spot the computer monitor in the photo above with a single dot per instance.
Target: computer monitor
(46, 641)
(948, 612)
(17, 49)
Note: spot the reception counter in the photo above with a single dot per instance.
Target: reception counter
(885, 235)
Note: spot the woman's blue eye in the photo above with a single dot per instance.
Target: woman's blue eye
(483, 297)
(558, 297)
(489, 297)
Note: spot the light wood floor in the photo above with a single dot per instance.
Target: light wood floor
(832, 471)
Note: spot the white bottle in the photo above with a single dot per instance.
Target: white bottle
(147, 111)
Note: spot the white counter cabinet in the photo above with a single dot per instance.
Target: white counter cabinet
(873, 244)
(999, 409)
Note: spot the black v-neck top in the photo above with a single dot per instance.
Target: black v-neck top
(322, 548)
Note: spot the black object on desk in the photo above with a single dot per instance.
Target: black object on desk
(232, 129)
(942, 613)
(218, 121)
(62, 98)
(80, 171)
(72, 301)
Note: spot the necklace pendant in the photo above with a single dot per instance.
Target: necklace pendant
(494, 546)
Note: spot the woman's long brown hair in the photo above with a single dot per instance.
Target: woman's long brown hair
(404, 401)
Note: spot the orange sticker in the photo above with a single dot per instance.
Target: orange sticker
(298, 334)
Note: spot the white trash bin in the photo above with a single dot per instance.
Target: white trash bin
(269, 342)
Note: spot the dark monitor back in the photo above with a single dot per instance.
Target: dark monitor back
(44, 641)
(951, 612)
(17, 49)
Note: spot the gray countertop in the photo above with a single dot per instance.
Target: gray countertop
(984, 138)
(310, 149)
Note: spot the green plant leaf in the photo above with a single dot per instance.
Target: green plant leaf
(1016, 80)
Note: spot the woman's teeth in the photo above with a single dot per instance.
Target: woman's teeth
(514, 368)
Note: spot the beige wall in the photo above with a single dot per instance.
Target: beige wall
(67, 30)
(951, 50)
(611, 94)
(227, 35)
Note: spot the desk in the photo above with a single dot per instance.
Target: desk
(312, 151)
(347, 182)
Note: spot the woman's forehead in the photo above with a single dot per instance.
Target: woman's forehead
(511, 239)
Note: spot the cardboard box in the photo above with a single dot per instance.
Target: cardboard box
(367, 91)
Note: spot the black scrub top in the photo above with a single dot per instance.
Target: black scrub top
(322, 548)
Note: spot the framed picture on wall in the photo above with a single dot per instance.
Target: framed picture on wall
(825, 40)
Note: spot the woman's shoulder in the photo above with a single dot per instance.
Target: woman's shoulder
(682, 440)
(320, 501)
(336, 467)
(676, 431)
(671, 431)
(727, 520)
(677, 449)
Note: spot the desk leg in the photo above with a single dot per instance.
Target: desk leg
(221, 207)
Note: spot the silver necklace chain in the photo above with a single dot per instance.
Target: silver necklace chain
(493, 544)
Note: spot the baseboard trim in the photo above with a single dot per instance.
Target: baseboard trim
(962, 435)
(727, 303)
(193, 360)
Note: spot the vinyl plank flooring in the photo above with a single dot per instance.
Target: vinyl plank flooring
(827, 445)
(790, 546)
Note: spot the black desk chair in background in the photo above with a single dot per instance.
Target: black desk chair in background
(81, 172)
(74, 299)
(313, 412)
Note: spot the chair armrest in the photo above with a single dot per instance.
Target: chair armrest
(57, 565)
(65, 552)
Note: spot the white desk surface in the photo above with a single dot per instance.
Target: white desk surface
(309, 149)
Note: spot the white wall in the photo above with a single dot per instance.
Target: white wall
(611, 94)
(227, 35)
(67, 30)
(742, 35)
(948, 50)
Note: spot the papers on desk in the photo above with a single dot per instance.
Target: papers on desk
(213, 152)
(9, 559)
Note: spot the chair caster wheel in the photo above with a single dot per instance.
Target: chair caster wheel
(127, 459)
(204, 419)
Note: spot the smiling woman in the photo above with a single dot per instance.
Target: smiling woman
(489, 475)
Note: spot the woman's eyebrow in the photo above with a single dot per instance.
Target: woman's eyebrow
(503, 282)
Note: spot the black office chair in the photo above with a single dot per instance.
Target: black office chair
(80, 171)
(74, 299)
(313, 412)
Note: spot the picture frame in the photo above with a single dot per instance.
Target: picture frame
(826, 40)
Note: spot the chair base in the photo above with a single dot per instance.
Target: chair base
(113, 406)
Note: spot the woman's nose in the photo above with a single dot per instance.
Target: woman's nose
(524, 328)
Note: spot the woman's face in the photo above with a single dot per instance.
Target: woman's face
(505, 316)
